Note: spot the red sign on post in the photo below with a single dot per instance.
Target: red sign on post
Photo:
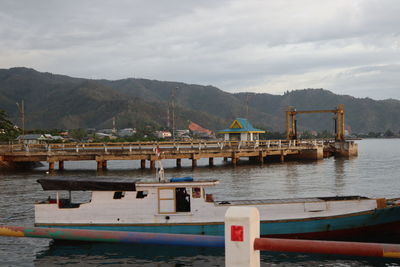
(237, 233)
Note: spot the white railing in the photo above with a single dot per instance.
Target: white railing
(140, 147)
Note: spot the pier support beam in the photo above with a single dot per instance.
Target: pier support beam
(316, 153)
(101, 165)
(98, 164)
(51, 165)
(194, 163)
(211, 162)
(260, 158)
(152, 164)
(346, 149)
(178, 163)
(143, 164)
(61, 165)
(235, 160)
(282, 157)
(104, 165)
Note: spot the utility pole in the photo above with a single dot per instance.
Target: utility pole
(114, 129)
(168, 119)
(173, 111)
(247, 106)
(21, 109)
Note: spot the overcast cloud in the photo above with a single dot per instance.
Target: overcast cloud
(348, 47)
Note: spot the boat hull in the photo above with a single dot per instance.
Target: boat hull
(371, 225)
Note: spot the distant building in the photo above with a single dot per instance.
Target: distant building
(241, 130)
(199, 131)
(31, 139)
(38, 138)
(126, 132)
(163, 134)
(183, 134)
(91, 130)
(104, 135)
(105, 131)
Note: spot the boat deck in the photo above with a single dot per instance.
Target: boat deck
(287, 200)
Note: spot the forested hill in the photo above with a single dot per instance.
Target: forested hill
(58, 101)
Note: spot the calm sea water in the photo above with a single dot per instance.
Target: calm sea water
(375, 173)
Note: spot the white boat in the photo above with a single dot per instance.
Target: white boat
(181, 205)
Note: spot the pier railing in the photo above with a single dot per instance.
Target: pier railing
(163, 146)
(259, 150)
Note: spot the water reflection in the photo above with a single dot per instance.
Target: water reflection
(75, 253)
(292, 179)
(339, 170)
(68, 253)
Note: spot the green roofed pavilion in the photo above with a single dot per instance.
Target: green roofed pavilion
(241, 130)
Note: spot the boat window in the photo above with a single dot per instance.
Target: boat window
(118, 195)
(166, 200)
(196, 192)
(182, 200)
(142, 194)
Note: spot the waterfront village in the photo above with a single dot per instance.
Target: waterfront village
(243, 131)
(193, 131)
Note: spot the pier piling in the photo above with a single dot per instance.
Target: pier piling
(143, 164)
(152, 164)
(61, 165)
(51, 165)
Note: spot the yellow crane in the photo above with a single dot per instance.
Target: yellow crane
(291, 122)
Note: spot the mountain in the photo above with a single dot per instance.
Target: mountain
(59, 101)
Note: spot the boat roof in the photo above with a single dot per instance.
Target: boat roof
(200, 183)
(84, 184)
(106, 184)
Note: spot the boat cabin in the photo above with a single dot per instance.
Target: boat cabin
(176, 196)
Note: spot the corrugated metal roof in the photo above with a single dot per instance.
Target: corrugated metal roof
(241, 125)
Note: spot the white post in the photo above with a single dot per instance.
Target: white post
(242, 227)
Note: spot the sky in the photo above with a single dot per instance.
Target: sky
(347, 47)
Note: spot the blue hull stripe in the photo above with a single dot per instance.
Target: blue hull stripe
(378, 217)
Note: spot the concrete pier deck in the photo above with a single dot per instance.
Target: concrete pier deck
(259, 151)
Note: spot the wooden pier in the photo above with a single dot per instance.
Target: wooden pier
(260, 151)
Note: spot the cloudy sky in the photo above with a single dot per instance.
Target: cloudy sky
(348, 47)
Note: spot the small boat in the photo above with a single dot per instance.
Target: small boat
(181, 205)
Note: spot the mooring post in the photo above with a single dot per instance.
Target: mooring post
(242, 227)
